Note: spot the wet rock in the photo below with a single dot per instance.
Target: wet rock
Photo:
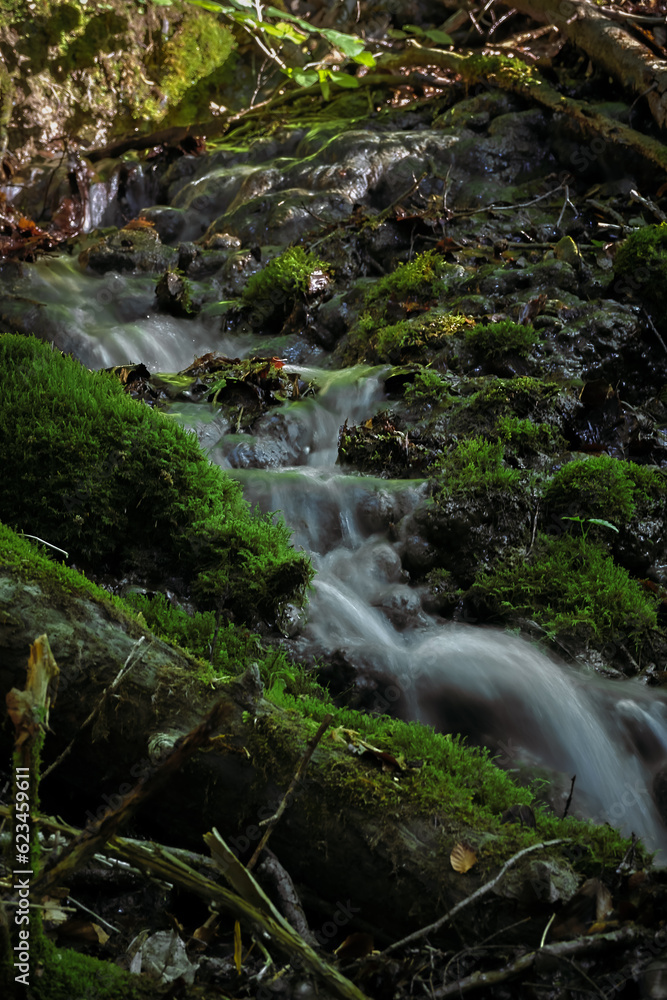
(174, 295)
(130, 249)
(169, 222)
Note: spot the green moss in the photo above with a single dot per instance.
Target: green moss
(603, 487)
(118, 484)
(567, 583)
(69, 975)
(199, 47)
(441, 777)
(227, 649)
(496, 339)
(272, 291)
(641, 263)
(426, 332)
(423, 277)
(427, 385)
(475, 465)
(525, 436)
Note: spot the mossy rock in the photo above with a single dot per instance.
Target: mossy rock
(641, 263)
(569, 585)
(604, 487)
(296, 274)
(123, 488)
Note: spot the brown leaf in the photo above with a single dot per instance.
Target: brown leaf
(355, 946)
(463, 857)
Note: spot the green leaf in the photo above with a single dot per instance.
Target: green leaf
(396, 33)
(414, 29)
(349, 45)
(168, 3)
(605, 524)
(304, 77)
(345, 80)
(284, 16)
(439, 37)
(204, 4)
(324, 83)
(566, 518)
(365, 58)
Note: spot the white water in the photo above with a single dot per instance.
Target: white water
(495, 688)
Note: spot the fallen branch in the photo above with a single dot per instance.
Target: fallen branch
(482, 891)
(477, 980)
(515, 76)
(303, 764)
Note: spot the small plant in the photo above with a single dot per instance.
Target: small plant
(428, 386)
(589, 520)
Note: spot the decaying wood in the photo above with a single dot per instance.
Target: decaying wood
(96, 835)
(240, 778)
(609, 45)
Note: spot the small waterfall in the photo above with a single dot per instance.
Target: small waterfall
(497, 689)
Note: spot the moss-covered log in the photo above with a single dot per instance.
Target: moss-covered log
(375, 819)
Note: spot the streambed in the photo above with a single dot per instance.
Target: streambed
(369, 621)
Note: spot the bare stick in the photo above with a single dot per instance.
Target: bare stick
(561, 949)
(569, 798)
(272, 820)
(482, 891)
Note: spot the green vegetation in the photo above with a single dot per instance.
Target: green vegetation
(118, 484)
(406, 336)
(273, 290)
(568, 583)
(524, 436)
(641, 263)
(428, 386)
(475, 465)
(69, 975)
(604, 487)
(424, 277)
(497, 339)
(443, 776)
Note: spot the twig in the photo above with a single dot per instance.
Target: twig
(50, 544)
(272, 820)
(569, 798)
(482, 891)
(563, 949)
(98, 707)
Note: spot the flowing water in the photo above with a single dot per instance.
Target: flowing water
(497, 689)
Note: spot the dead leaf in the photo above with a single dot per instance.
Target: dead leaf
(355, 946)
(463, 857)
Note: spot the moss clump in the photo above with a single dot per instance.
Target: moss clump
(603, 487)
(122, 487)
(525, 436)
(475, 465)
(392, 342)
(69, 975)
(271, 292)
(567, 583)
(497, 339)
(422, 278)
(641, 261)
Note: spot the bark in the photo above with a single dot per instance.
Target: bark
(609, 45)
